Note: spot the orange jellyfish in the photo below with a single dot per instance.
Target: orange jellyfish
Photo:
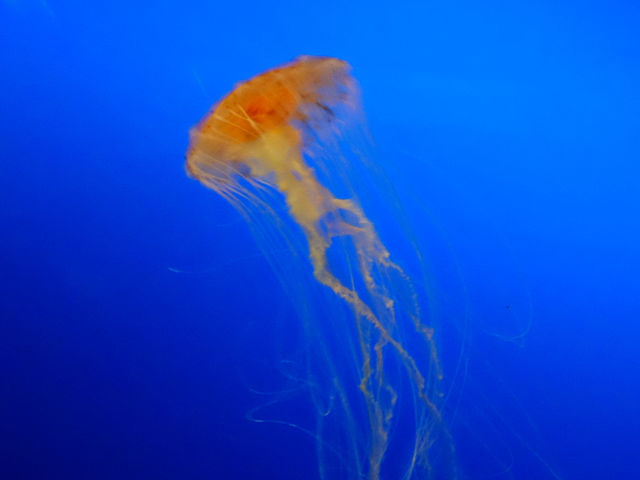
(285, 137)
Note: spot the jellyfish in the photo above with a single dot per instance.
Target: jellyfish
(280, 148)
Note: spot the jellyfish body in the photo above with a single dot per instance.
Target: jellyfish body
(274, 133)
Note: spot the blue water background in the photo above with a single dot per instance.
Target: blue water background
(137, 314)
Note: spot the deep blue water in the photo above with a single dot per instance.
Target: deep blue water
(138, 317)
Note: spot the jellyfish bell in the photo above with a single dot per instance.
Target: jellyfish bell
(283, 133)
(263, 112)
